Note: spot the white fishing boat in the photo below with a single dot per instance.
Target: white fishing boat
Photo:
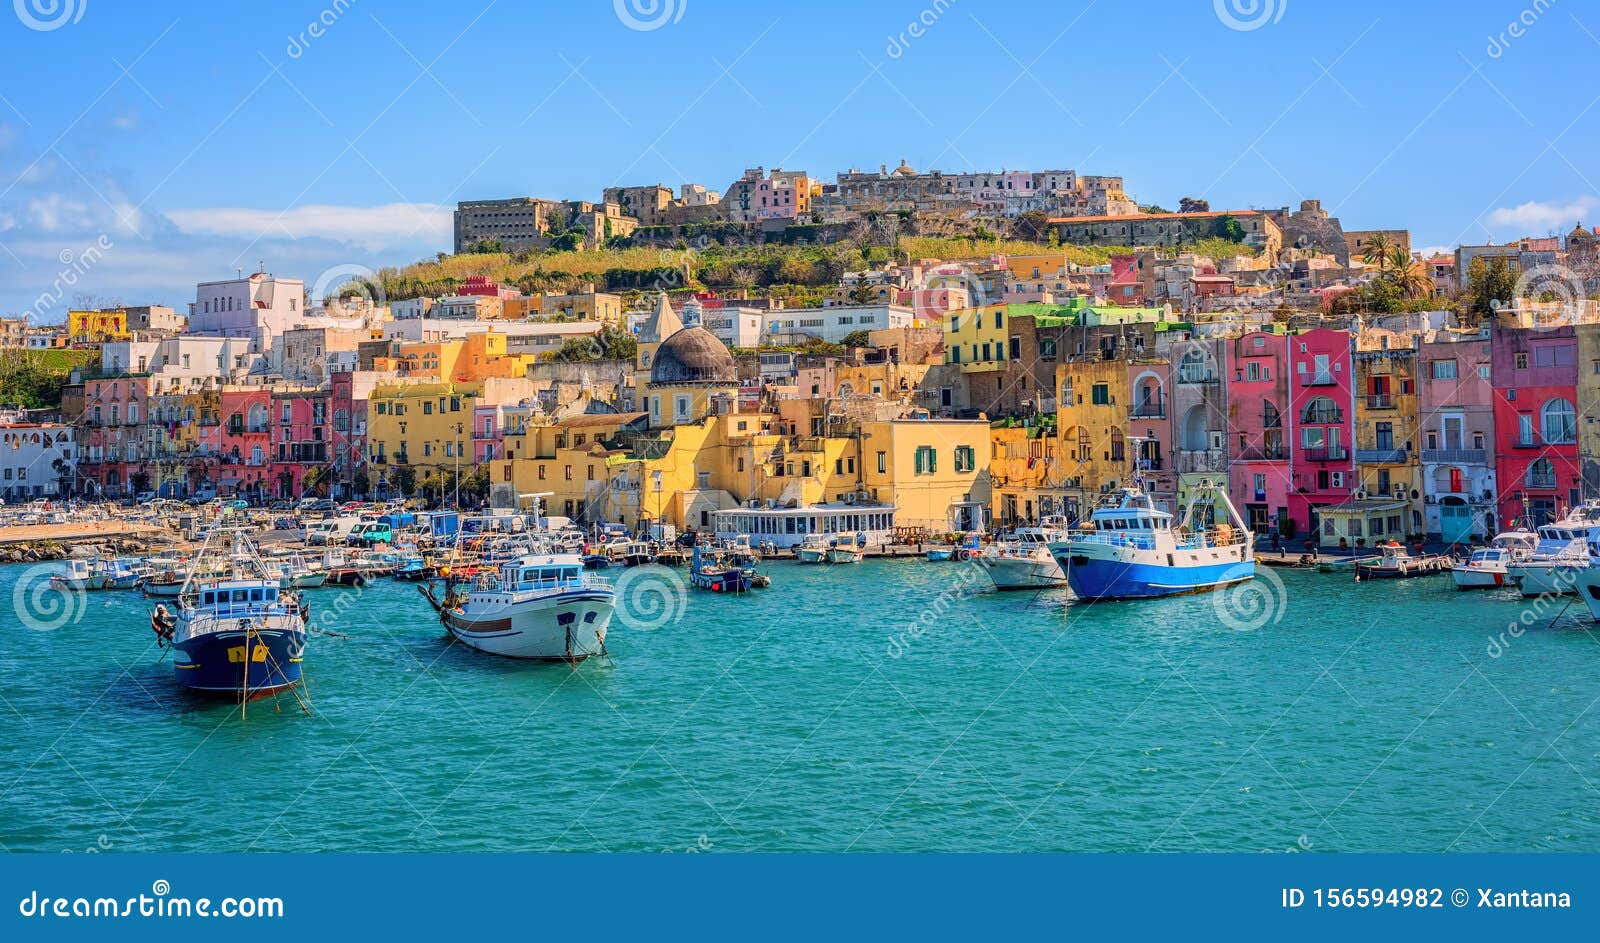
(82, 574)
(1133, 550)
(1486, 567)
(814, 549)
(541, 606)
(297, 572)
(1022, 559)
(847, 548)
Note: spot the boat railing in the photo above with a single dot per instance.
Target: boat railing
(207, 619)
(1113, 539)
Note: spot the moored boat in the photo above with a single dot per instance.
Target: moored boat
(1022, 560)
(813, 549)
(1486, 566)
(710, 569)
(847, 548)
(1552, 568)
(1395, 562)
(542, 607)
(1133, 550)
(234, 632)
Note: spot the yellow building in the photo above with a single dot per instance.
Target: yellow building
(1025, 473)
(582, 306)
(96, 327)
(934, 471)
(976, 338)
(1386, 422)
(475, 357)
(1091, 429)
(426, 427)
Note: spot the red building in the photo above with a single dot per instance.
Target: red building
(1535, 379)
(111, 445)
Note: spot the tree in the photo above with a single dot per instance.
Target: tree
(863, 294)
(1032, 225)
(1193, 205)
(1153, 208)
(314, 481)
(1378, 251)
(1489, 286)
(1229, 228)
(404, 481)
(1406, 274)
(857, 339)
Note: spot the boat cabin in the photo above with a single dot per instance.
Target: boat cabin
(237, 595)
(541, 572)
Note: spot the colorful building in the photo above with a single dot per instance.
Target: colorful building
(1535, 378)
(300, 440)
(1259, 474)
(1386, 426)
(1455, 407)
(1321, 428)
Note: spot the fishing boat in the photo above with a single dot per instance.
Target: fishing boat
(81, 575)
(711, 569)
(1486, 567)
(813, 549)
(346, 569)
(848, 548)
(296, 572)
(1133, 550)
(1023, 560)
(126, 573)
(941, 554)
(235, 632)
(542, 607)
(412, 569)
(637, 553)
(1395, 562)
(1552, 568)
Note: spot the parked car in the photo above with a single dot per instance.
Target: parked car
(366, 535)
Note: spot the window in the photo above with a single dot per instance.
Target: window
(883, 463)
(1385, 432)
(927, 460)
(1522, 361)
(1100, 394)
(965, 459)
(1558, 422)
(1444, 369)
(1525, 429)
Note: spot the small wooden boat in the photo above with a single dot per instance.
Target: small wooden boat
(941, 554)
(1398, 563)
(711, 570)
(813, 549)
(848, 548)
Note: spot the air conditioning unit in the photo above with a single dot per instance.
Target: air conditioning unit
(1361, 495)
(1400, 493)
(1428, 500)
(772, 503)
(850, 498)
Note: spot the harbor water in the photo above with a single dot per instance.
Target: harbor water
(874, 707)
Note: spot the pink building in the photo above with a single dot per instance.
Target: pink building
(1321, 427)
(243, 442)
(299, 432)
(1259, 478)
(1455, 408)
(111, 445)
(488, 434)
(347, 435)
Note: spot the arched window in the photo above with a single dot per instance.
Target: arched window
(1194, 368)
(1195, 435)
(1542, 474)
(1321, 410)
(1558, 422)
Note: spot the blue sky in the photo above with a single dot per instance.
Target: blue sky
(190, 139)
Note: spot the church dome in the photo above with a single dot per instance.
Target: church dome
(1580, 236)
(693, 355)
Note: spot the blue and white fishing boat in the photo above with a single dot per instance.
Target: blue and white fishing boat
(235, 631)
(712, 569)
(1133, 550)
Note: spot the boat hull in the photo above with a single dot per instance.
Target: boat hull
(1478, 577)
(1007, 573)
(836, 555)
(1588, 589)
(1098, 571)
(939, 556)
(216, 663)
(568, 626)
(1545, 579)
(811, 555)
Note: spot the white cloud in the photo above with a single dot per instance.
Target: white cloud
(1537, 216)
(370, 227)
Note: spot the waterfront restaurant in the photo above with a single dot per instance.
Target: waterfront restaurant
(1364, 523)
(788, 527)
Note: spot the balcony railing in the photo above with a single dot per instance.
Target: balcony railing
(1150, 411)
(1380, 401)
(1542, 482)
(1381, 456)
(1198, 376)
(1269, 453)
(1325, 454)
(1456, 456)
(1323, 417)
(1317, 379)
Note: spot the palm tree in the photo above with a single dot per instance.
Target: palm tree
(1379, 252)
(1407, 275)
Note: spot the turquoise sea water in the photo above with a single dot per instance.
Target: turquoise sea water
(809, 717)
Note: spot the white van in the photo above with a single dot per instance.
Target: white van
(332, 531)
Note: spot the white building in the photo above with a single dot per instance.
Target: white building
(187, 359)
(262, 307)
(35, 458)
(734, 326)
(832, 324)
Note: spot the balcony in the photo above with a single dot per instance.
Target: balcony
(1150, 411)
(1197, 377)
(1381, 456)
(1189, 461)
(1456, 456)
(1269, 453)
(1325, 455)
(1542, 482)
(1323, 417)
(1380, 401)
(1318, 379)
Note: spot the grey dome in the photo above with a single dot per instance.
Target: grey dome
(693, 355)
